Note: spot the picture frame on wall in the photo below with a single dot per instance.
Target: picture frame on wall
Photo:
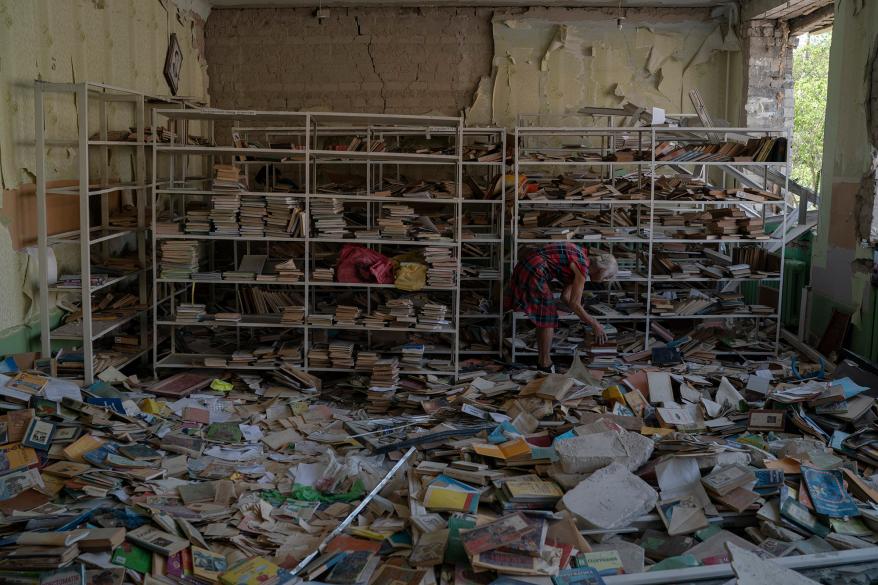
(173, 64)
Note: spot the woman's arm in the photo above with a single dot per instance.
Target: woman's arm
(572, 297)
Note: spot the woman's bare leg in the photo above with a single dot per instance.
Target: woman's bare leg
(544, 346)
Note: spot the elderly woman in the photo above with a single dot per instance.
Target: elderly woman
(531, 293)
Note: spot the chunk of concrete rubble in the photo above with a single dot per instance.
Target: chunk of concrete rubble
(596, 450)
(611, 497)
(751, 570)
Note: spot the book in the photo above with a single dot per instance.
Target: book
(38, 434)
(505, 530)
(105, 576)
(253, 571)
(51, 538)
(728, 478)
(157, 540)
(99, 539)
(132, 557)
(828, 494)
(207, 565)
(607, 562)
(578, 576)
(430, 549)
(352, 568)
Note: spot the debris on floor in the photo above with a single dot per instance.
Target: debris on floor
(505, 476)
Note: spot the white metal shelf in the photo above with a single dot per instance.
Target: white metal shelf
(306, 130)
(603, 141)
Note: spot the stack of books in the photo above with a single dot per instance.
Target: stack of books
(190, 313)
(602, 356)
(252, 214)
(395, 221)
(402, 311)
(293, 315)
(287, 271)
(323, 275)
(179, 259)
(385, 373)
(378, 319)
(197, 220)
(412, 356)
(329, 218)
(346, 315)
(366, 360)
(341, 353)
(442, 271)
(285, 217)
(320, 320)
(431, 317)
(224, 215)
(228, 178)
(318, 356)
(529, 494)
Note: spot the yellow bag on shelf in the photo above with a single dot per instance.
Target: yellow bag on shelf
(411, 276)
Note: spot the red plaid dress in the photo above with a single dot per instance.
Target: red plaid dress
(530, 285)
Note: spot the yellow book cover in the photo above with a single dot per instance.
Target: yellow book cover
(515, 448)
(533, 488)
(253, 571)
(441, 498)
(74, 451)
(488, 450)
(15, 457)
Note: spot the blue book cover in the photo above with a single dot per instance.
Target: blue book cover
(578, 576)
(826, 488)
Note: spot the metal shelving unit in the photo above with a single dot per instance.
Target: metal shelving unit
(100, 110)
(300, 148)
(642, 241)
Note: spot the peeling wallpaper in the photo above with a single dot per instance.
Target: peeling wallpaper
(117, 42)
(551, 63)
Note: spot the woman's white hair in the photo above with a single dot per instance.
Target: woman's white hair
(605, 266)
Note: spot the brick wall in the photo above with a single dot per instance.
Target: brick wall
(768, 51)
(373, 60)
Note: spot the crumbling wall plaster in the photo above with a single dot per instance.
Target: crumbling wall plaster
(490, 65)
(118, 42)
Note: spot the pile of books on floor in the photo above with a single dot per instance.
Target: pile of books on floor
(252, 216)
(287, 271)
(318, 356)
(431, 317)
(403, 311)
(190, 313)
(323, 275)
(329, 220)
(293, 315)
(285, 217)
(412, 356)
(228, 178)
(179, 259)
(197, 220)
(385, 373)
(442, 266)
(347, 315)
(341, 353)
(395, 221)
(224, 215)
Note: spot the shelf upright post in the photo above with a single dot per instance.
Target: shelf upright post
(651, 225)
(85, 234)
(142, 226)
(458, 228)
(783, 237)
(154, 253)
(42, 227)
(306, 234)
(513, 252)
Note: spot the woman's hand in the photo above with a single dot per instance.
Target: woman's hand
(600, 335)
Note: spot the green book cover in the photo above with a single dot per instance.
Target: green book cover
(132, 557)
(454, 552)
